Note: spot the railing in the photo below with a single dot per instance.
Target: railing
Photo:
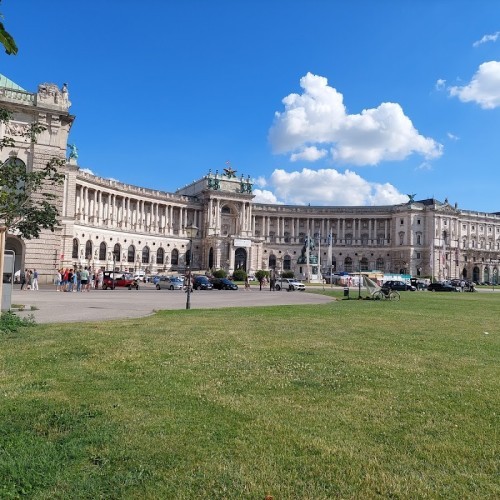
(17, 95)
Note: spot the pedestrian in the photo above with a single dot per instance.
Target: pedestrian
(34, 285)
(58, 280)
(247, 283)
(84, 279)
(23, 278)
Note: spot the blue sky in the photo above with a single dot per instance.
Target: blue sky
(321, 102)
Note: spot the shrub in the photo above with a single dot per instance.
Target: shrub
(261, 274)
(9, 322)
(287, 274)
(240, 275)
(220, 273)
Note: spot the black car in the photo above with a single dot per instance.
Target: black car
(202, 283)
(441, 287)
(223, 284)
(398, 285)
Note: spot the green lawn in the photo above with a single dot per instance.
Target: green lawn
(354, 399)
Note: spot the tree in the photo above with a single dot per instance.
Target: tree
(6, 40)
(26, 202)
(26, 206)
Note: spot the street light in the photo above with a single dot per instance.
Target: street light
(191, 232)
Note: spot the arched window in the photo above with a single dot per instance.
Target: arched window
(88, 249)
(74, 251)
(102, 251)
(380, 264)
(272, 261)
(419, 239)
(364, 264)
(211, 258)
(160, 256)
(117, 250)
(145, 255)
(131, 254)
(348, 264)
(175, 257)
(287, 263)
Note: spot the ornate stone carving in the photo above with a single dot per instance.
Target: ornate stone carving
(16, 129)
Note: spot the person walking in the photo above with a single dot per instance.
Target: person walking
(34, 285)
(23, 278)
(247, 284)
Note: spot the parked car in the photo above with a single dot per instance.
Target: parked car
(441, 287)
(113, 280)
(398, 285)
(289, 284)
(202, 283)
(168, 282)
(223, 284)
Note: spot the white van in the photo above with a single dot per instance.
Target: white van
(140, 275)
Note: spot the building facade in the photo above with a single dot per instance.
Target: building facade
(107, 224)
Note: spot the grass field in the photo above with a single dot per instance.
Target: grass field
(354, 399)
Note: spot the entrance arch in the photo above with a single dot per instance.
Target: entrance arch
(17, 246)
(240, 259)
(475, 275)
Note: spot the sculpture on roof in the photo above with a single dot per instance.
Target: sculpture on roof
(73, 152)
(229, 171)
(411, 198)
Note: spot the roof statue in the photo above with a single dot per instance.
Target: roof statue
(411, 198)
(229, 171)
(73, 152)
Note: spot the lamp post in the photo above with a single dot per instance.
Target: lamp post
(191, 232)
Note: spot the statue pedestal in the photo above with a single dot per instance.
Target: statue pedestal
(72, 161)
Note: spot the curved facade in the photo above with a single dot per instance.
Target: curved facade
(106, 224)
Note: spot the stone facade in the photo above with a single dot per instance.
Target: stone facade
(105, 223)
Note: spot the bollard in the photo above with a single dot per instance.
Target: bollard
(346, 291)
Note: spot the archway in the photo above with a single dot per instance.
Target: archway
(475, 274)
(240, 259)
(17, 246)
(211, 258)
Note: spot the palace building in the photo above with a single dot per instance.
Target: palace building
(108, 224)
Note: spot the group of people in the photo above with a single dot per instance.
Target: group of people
(77, 280)
(29, 279)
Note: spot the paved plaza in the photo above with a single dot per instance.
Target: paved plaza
(50, 306)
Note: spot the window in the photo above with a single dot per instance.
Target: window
(74, 251)
(131, 254)
(145, 255)
(348, 264)
(117, 250)
(175, 257)
(380, 264)
(419, 239)
(88, 250)
(160, 256)
(287, 263)
(272, 261)
(418, 255)
(401, 222)
(102, 251)
(418, 222)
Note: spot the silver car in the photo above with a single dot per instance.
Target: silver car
(168, 282)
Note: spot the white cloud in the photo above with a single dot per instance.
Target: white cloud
(260, 181)
(318, 117)
(440, 84)
(86, 171)
(424, 166)
(309, 154)
(487, 38)
(264, 196)
(484, 88)
(330, 187)
(452, 137)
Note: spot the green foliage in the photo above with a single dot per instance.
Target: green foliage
(240, 275)
(25, 203)
(7, 40)
(220, 273)
(261, 274)
(9, 322)
(287, 274)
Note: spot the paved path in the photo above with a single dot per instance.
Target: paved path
(99, 305)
